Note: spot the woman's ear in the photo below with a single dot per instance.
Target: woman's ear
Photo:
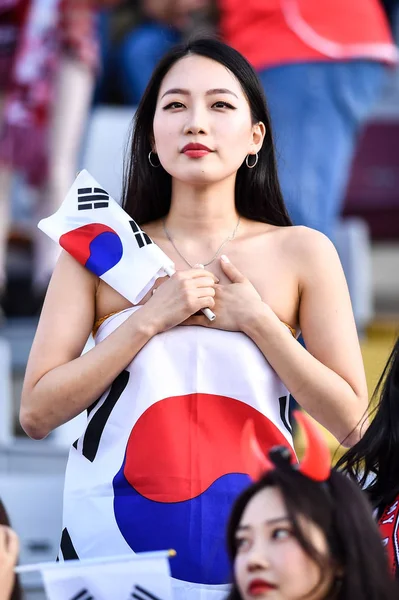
(258, 135)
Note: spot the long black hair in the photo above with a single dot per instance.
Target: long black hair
(146, 193)
(374, 460)
(340, 509)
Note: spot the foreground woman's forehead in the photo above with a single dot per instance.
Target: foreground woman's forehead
(194, 72)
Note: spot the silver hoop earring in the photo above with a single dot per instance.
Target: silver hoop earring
(151, 163)
(255, 163)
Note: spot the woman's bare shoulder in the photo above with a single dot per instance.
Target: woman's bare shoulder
(304, 242)
(300, 235)
(69, 271)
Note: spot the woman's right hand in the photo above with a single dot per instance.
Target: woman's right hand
(179, 297)
(9, 548)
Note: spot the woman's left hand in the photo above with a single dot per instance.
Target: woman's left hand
(236, 302)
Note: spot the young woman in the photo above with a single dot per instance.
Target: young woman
(296, 535)
(374, 460)
(166, 390)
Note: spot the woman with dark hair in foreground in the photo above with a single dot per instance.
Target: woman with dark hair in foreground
(166, 390)
(306, 533)
(374, 460)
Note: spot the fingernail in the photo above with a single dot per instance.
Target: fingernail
(224, 258)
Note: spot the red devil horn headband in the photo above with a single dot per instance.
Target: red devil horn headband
(255, 462)
(316, 463)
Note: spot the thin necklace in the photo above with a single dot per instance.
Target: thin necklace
(214, 257)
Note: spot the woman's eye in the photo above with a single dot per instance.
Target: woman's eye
(222, 104)
(242, 543)
(281, 533)
(173, 105)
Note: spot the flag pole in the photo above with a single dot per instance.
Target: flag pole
(207, 311)
(95, 561)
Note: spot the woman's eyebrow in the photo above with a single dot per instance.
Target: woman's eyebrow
(220, 91)
(243, 528)
(211, 92)
(176, 91)
(267, 522)
(276, 520)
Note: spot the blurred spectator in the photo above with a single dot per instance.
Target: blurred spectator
(164, 23)
(322, 64)
(48, 63)
(10, 588)
(373, 461)
(391, 7)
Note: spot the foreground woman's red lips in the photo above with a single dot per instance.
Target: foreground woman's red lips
(196, 148)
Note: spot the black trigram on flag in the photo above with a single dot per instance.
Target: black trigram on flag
(92, 197)
(82, 595)
(141, 594)
(96, 426)
(142, 238)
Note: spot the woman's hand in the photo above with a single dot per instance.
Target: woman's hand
(179, 297)
(9, 548)
(236, 303)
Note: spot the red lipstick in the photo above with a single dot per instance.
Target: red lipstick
(196, 150)
(257, 587)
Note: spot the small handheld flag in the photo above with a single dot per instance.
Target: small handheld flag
(98, 233)
(145, 576)
(94, 229)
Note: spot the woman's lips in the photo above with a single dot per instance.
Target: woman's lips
(196, 150)
(196, 153)
(259, 587)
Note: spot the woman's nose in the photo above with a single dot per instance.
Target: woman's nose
(194, 130)
(257, 560)
(196, 122)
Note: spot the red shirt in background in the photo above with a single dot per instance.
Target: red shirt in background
(274, 32)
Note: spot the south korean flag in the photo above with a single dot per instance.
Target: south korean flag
(98, 233)
(143, 576)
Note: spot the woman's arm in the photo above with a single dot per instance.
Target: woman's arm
(327, 378)
(59, 382)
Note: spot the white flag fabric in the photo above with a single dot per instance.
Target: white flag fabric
(98, 233)
(135, 577)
